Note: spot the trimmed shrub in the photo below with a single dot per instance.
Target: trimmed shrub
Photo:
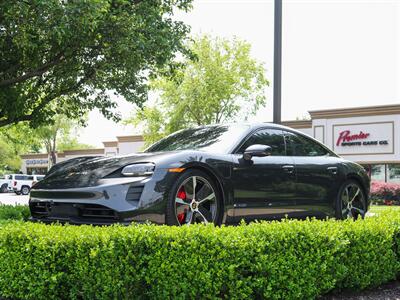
(272, 260)
(11, 212)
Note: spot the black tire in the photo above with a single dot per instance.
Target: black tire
(186, 211)
(25, 190)
(351, 201)
(4, 188)
(18, 193)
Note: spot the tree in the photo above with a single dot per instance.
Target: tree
(14, 141)
(224, 83)
(73, 53)
(59, 136)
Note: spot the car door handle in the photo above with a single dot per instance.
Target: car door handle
(333, 170)
(288, 169)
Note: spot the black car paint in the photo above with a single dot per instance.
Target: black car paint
(262, 188)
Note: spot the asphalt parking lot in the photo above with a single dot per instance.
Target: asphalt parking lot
(13, 199)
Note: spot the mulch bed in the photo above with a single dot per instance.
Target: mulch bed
(389, 291)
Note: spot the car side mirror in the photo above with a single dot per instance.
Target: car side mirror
(257, 151)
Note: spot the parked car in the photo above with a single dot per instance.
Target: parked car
(4, 183)
(211, 174)
(22, 184)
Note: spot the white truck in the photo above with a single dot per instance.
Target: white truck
(22, 184)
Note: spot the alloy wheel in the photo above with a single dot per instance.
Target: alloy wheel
(25, 191)
(195, 201)
(353, 202)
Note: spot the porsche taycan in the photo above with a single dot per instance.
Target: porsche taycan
(211, 174)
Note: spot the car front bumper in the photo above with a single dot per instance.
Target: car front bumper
(114, 200)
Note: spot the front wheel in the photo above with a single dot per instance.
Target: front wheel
(194, 198)
(351, 201)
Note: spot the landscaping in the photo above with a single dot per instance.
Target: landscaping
(273, 260)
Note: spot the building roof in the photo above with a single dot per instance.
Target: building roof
(130, 138)
(35, 156)
(84, 152)
(298, 124)
(391, 109)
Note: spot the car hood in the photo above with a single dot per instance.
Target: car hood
(89, 172)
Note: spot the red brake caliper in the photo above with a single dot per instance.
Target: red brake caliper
(181, 195)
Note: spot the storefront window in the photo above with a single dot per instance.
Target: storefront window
(378, 172)
(393, 173)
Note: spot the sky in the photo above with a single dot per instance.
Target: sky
(335, 53)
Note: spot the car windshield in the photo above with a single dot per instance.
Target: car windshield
(216, 138)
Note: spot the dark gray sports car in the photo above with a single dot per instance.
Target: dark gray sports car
(211, 174)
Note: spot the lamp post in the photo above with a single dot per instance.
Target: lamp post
(277, 62)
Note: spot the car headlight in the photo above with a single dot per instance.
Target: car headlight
(138, 170)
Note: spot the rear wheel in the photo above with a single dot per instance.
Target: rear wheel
(4, 188)
(194, 198)
(351, 201)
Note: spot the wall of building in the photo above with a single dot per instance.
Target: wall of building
(38, 163)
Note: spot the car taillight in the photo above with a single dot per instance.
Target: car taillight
(15, 183)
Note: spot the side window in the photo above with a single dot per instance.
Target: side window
(270, 137)
(19, 177)
(299, 145)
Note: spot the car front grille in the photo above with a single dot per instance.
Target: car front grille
(62, 195)
(56, 210)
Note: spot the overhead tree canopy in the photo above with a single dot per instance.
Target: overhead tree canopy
(223, 84)
(73, 53)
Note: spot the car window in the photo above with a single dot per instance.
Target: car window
(269, 137)
(20, 177)
(38, 178)
(29, 178)
(299, 145)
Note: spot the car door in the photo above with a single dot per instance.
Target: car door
(263, 187)
(317, 173)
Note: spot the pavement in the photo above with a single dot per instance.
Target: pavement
(13, 199)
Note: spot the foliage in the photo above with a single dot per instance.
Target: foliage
(11, 212)
(8, 159)
(59, 136)
(64, 57)
(224, 83)
(16, 140)
(271, 260)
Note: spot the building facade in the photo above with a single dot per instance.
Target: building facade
(38, 163)
(369, 136)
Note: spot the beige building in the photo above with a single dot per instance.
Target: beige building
(38, 163)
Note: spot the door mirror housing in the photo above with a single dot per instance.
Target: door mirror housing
(257, 151)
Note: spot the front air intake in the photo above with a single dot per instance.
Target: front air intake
(134, 193)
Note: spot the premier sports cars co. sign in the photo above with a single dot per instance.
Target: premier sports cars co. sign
(366, 138)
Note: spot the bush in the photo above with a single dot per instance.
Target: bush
(273, 260)
(384, 191)
(11, 212)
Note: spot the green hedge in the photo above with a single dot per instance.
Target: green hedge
(14, 212)
(277, 260)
